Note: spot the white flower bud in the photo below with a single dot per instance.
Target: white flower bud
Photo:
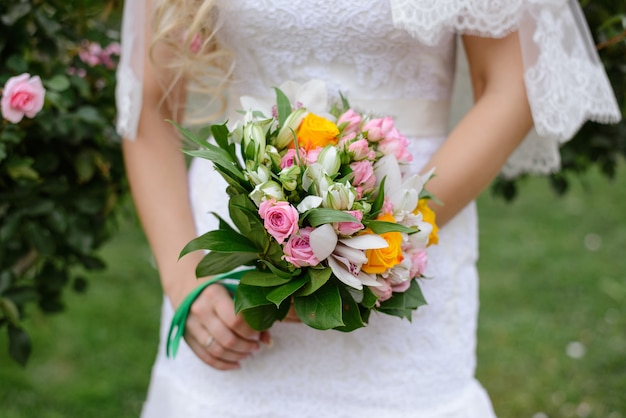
(330, 160)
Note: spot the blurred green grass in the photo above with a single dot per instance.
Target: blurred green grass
(553, 282)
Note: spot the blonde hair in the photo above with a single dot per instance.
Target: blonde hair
(184, 31)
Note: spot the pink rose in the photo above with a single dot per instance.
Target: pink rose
(401, 287)
(363, 175)
(383, 292)
(419, 261)
(352, 120)
(360, 149)
(289, 158)
(298, 249)
(280, 219)
(311, 156)
(350, 228)
(396, 144)
(378, 129)
(23, 95)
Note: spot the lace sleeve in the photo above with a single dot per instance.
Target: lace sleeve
(128, 90)
(565, 80)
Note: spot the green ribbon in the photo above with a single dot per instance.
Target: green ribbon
(177, 326)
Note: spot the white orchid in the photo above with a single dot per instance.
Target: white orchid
(403, 195)
(346, 256)
(316, 176)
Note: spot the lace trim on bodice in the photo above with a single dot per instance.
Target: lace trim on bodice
(565, 81)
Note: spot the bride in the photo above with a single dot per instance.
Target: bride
(530, 63)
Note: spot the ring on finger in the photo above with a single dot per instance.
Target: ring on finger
(207, 343)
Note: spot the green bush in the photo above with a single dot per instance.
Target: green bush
(61, 172)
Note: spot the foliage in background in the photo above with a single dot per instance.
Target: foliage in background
(61, 173)
(594, 145)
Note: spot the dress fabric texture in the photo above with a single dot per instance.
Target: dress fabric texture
(392, 367)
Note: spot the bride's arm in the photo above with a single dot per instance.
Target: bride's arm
(500, 118)
(158, 177)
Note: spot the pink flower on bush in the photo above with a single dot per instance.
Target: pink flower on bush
(298, 249)
(92, 54)
(396, 144)
(419, 261)
(353, 121)
(378, 128)
(350, 228)
(280, 219)
(363, 176)
(23, 95)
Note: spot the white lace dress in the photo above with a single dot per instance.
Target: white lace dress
(371, 51)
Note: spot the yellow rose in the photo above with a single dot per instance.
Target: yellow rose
(316, 131)
(428, 215)
(381, 259)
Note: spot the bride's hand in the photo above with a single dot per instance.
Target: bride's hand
(217, 335)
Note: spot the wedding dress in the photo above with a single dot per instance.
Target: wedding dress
(391, 58)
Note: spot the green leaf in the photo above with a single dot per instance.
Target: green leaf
(203, 142)
(283, 106)
(16, 12)
(319, 216)
(278, 272)
(58, 83)
(247, 296)
(91, 115)
(263, 279)
(281, 293)
(318, 277)
(220, 134)
(369, 298)
(380, 227)
(217, 263)
(220, 158)
(351, 314)
(21, 168)
(84, 165)
(10, 311)
(262, 317)
(403, 304)
(224, 241)
(322, 309)
(19, 344)
(377, 204)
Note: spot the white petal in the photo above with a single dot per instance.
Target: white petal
(387, 167)
(369, 279)
(313, 95)
(257, 104)
(323, 241)
(365, 242)
(344, 274)
(309, 202)
(351, 254)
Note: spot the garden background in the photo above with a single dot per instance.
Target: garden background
(553, 267)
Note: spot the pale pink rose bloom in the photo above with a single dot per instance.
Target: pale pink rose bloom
(383, 292)
(298, 249)
(311, 156)
(280, 219)
(353, 120)
(396, 144)
(23, 95)
(289, 158)
(363, 175)
(387, 206)
(360, 149)
(378, 129)
(401, 287)
(419, 261)
(350, 228)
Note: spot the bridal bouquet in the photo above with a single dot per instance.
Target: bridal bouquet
(322, 213)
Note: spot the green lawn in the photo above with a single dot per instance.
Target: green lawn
(552, 327)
